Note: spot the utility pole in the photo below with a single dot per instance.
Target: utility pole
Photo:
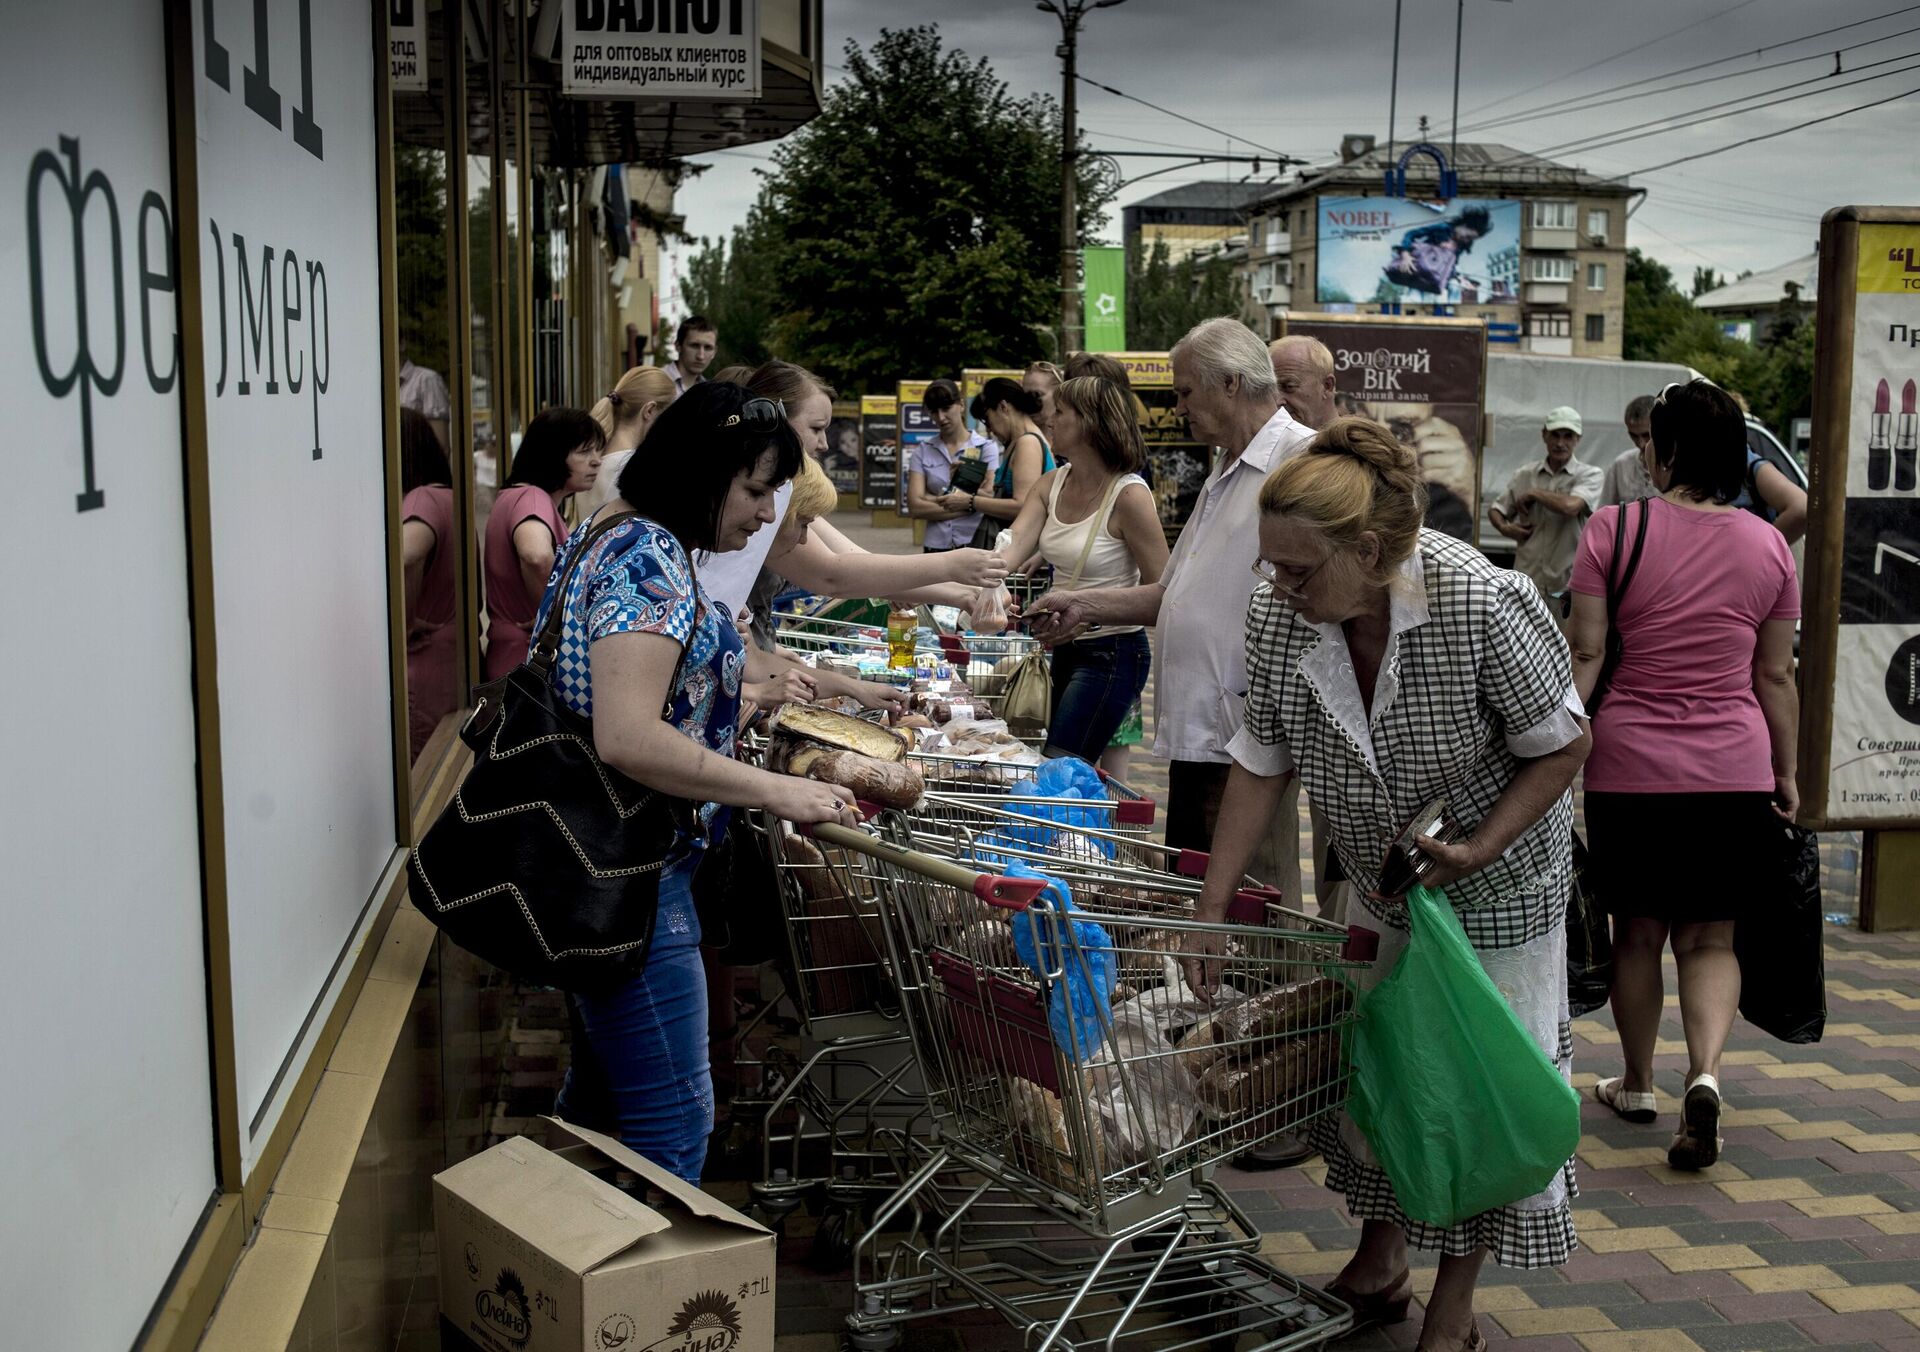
(1069, 12)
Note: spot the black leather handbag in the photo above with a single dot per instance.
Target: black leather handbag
(547, 862)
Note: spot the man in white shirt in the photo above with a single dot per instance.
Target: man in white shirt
(694, 346)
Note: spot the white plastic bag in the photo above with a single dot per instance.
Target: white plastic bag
(992, 602)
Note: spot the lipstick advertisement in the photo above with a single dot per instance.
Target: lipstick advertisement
(1874, 765)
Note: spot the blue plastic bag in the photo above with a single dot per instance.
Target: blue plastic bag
(1068, 781)
(1078, 1008)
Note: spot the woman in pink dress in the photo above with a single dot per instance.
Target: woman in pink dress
(559, 456)
(427, 549)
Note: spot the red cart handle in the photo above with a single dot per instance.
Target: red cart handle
(1012, 894)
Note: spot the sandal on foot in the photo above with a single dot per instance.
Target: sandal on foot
(1475, 1342)
(1697, 1144)
(1373, 1309)
(1633, 1105)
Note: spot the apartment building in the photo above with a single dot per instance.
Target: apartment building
(1548, 272)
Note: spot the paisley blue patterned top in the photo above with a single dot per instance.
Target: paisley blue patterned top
(639, 580)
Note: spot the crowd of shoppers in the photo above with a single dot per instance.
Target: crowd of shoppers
(1375, 660)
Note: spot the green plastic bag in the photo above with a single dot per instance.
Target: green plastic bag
(1463, 1110)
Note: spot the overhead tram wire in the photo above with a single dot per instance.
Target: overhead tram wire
(1635, 132)
(1581, 105)
(1608, 60)
(1279, 156)
(1768, 136)
(1620, 136)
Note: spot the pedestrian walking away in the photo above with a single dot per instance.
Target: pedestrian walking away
(1693, 763)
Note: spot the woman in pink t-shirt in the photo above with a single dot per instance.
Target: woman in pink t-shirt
(427, 551)
(1692, 771)
(559, 456)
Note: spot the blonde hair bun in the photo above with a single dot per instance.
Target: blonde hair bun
(1353, 479)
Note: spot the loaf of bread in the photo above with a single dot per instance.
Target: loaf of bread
(823, 727)
(1248, 1027)
(1042, 1122)
(1233, 1090)
(888, 783)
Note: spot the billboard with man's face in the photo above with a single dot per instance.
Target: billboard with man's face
(1390, 250)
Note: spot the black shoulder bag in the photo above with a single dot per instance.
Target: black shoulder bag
(547, 862)
(1589, 942)
(1610, 660)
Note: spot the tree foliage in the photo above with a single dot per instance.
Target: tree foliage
(1165, 298)
(912, 229)
(1775, 374)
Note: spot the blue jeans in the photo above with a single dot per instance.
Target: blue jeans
(640, 1069)
(1095, 681)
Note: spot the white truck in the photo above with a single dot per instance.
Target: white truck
(1522, 387)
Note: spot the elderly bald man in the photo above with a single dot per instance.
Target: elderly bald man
(1304, 368)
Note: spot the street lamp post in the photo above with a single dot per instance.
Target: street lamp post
(1070, 13)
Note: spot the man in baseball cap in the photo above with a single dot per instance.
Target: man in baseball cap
(1546, 505)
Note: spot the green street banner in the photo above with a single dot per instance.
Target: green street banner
(1105, 298)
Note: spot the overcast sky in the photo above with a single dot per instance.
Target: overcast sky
(1294, 75)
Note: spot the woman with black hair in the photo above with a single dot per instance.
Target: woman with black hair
(1697, 729)
(559, 456)
(657, 665)
(1012, 416)
(427, 554)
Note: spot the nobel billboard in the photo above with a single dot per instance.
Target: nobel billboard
(1389, 250)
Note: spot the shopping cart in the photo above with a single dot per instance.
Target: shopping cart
(1071, 1070)
(981, 661)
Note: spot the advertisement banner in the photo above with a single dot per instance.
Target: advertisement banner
(879, 451)
(1177, 465)
(1873, 772)
(1390, 250)
(1425, 380)
(709, 50)
(841, 459)
(1105, 298)
(914, 426)
(407, 45)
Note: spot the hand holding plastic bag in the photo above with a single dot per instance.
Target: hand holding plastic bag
(993, 602)
(1461, 1106)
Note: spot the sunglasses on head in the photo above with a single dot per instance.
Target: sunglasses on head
(757, 415)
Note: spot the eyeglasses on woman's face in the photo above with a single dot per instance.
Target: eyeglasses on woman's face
(1284, 580)
(757, 415)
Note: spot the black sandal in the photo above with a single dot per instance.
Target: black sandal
(1376, 1309)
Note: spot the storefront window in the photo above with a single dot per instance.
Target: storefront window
(430, 433)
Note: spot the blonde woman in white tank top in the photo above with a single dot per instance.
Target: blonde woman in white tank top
(1094, 520)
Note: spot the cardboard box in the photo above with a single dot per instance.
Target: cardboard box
(539, 1254)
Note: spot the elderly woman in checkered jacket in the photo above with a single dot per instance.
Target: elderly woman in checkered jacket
(1387, 665)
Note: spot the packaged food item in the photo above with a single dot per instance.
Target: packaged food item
(794, 723)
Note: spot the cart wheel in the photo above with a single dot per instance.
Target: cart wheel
(773, 1214)
(832, 1241)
